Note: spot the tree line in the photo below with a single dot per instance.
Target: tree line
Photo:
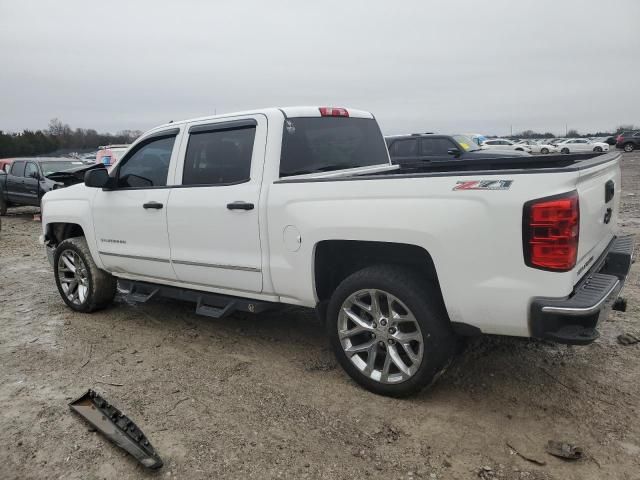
(59, 137)
(573, 133)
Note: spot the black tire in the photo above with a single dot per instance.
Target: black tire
(3, 205)
(544, 151)
(423, 299)
(100, 285)
(519, 149)
(564, 150)
(597, 149)
(628, 147)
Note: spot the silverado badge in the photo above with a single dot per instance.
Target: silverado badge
(483, 185)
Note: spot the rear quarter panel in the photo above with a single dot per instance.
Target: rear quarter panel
(473, 236)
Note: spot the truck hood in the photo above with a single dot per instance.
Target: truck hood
(72, 175)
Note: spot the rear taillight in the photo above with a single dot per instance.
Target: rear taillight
(333, 112)
(619, 138)
(550, 230)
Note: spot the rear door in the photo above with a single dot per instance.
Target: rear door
(15, 182)
(213, 215)
(130, 220)
(404, 150)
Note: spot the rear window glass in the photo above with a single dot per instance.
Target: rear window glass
(322, 144)
(17, 170)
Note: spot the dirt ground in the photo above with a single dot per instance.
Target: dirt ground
(262, 397)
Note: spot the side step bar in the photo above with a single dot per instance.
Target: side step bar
(208, 304)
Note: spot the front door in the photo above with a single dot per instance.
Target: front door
(32, 184)
(130, 220)
(213, 217)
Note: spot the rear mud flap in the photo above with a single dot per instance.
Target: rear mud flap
(117, 427)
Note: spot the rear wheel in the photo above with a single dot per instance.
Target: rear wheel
(82, 285)
(389, 330)
(544, 151)
(3, 206)
(628, 147)
(564, 150)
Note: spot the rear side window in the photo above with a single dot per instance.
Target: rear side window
(322, 144)
(404, 148)
(219, 157)
(148, 165)
(17, 170)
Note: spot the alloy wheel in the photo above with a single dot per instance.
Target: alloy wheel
(73, 276)
(380, 336)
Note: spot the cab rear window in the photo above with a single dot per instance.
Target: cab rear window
(322, 144)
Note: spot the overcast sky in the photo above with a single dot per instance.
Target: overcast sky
(447, 66)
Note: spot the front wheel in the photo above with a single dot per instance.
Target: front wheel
(564, 150)
(3, 206)
(82, 285)
(389, 330)
(628, 147)
(597, 149)
(544, 151)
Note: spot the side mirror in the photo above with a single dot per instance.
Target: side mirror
(454, 151)
(96, 178)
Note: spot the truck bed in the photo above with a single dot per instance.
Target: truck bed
(570, 162)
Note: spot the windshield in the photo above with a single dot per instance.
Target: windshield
(52, 167)
(466, 143)
(322, 144)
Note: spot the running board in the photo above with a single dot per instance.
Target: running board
(117, 427)
(207, 304)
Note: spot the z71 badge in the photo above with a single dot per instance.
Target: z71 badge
(483, 185)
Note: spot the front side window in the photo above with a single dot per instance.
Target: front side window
(436, 146)
(31, 170)
(219, 157)
(148, 165)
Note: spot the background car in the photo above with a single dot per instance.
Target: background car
(412, 149)
(628, 141)
(582, 145)
(110, 154)
(4, 163)
(539, 146)
(504, 144)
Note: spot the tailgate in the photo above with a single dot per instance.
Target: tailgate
(599, 189)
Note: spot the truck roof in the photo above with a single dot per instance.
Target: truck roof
(300, 111)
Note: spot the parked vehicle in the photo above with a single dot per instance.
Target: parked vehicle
(406, 150)
(29, 179)
(302, 206)
(109, 154)
(611, 141)
(539, 146)
(628, 141)
(582, 145)
(504, 144)
(5, 163)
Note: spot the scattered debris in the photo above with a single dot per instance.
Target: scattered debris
(486, 473)
(109, 383)
(117, 427)
(564, 450)
(527, 457)
(628, 339)
(88, 357)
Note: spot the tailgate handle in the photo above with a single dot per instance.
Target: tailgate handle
(609, 190)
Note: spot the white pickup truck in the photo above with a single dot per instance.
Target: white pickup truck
(302, 206)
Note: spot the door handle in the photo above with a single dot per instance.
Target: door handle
(240, 205)
(154, 205)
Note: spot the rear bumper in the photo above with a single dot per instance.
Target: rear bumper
(574, 319)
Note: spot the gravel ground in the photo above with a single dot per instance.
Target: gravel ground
(262, 397)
